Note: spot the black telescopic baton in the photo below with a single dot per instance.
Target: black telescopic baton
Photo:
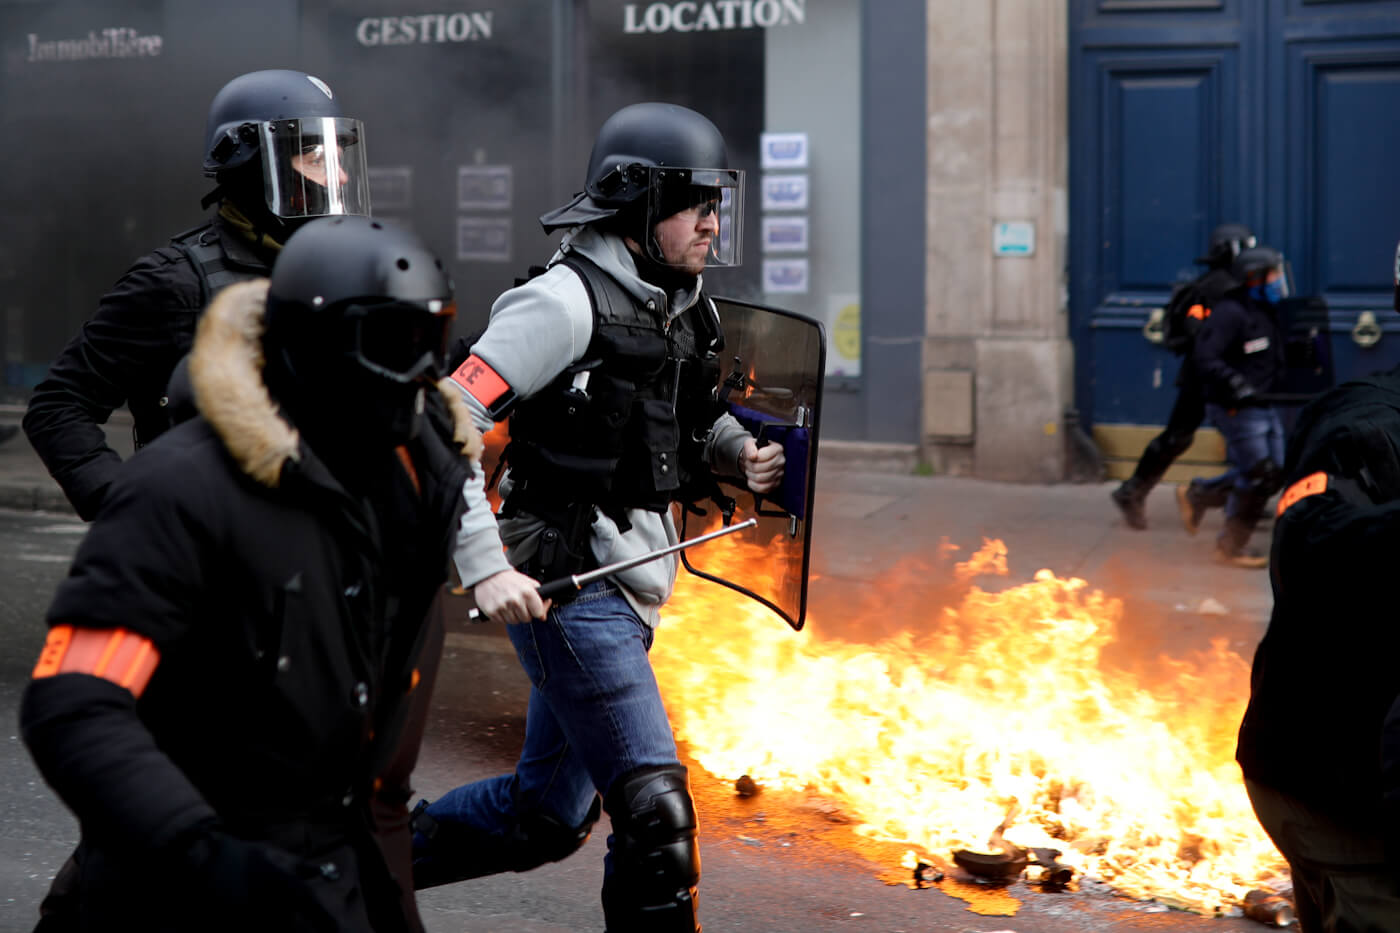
(578, 581)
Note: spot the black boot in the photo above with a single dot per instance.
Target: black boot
(1191, 507)
(1232, 545)
(1130, 498)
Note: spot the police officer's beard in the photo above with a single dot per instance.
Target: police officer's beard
(669, 278)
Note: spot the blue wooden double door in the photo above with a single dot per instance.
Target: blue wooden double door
(1280, 114)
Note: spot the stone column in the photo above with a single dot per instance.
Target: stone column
(997, 359)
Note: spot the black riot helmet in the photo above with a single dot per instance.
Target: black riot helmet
(649, 162)
(277, 140)
(1226, 242)
(358, 314)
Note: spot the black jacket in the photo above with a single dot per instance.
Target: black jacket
(1328, 668)
(124, 356)
(298, 629)
(1205, 290)
(1240, 343)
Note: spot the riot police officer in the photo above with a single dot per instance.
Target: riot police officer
(281, 152)
(1187, 309)
(1240, 353)
(234, 686)
(607, 366)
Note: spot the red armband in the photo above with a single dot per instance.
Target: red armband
(1309, 485)
(125, 658)
(485, 385)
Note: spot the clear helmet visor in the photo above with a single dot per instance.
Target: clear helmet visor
(1274, 282)
(695, 217)
(314, 167)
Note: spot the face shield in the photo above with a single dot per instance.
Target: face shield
(1271, 283)
(314, 166)
(696, 217)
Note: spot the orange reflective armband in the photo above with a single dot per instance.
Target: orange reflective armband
(125, 658)
(1309, 485)
(485, 385)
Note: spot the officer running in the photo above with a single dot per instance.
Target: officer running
(1240, 353)
(607, 365)
(237, 672)
(1187, 310)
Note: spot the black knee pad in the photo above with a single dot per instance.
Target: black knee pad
(656, 853)
(456, 852)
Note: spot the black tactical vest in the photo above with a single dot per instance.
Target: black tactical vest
(625, 426)
(215, 264)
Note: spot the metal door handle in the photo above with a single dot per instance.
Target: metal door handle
(1155, 328)
(1367, 332)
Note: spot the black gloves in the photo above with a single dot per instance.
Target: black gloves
(1241, 391)
(253, 885)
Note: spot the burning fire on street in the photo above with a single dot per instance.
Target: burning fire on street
(972, 710)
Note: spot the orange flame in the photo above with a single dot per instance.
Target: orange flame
(995, 703)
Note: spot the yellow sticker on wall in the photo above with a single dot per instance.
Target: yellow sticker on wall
(845, 332)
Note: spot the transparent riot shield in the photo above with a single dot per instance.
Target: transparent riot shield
(772, 383)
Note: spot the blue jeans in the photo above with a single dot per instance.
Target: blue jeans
(1251, 435)
(595, 714)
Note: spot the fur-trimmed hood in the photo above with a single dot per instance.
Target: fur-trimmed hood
(225, 370)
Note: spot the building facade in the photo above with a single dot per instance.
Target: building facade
(983, 202)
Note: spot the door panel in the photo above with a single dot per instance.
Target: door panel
(1293, 108)
(1159, 185)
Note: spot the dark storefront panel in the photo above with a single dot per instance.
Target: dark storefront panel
(478, 119)
(103, 109)
(457, 114)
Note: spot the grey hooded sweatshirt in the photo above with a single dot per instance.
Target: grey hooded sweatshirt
(536, 331)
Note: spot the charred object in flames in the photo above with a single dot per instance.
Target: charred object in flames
(1268, 908)
(1049, 872)
(1003, 867)
(924, 873)
(745, 786)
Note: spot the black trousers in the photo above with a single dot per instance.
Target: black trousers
(1188, 411)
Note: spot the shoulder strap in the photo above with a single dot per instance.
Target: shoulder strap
(608, 299)
(211, 264)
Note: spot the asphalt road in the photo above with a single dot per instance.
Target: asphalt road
(773, 863)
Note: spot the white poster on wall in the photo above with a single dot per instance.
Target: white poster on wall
(483, 239)
(785, 275)
(783, 233)
(783, 150)
(484, 187)
(784, 192)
